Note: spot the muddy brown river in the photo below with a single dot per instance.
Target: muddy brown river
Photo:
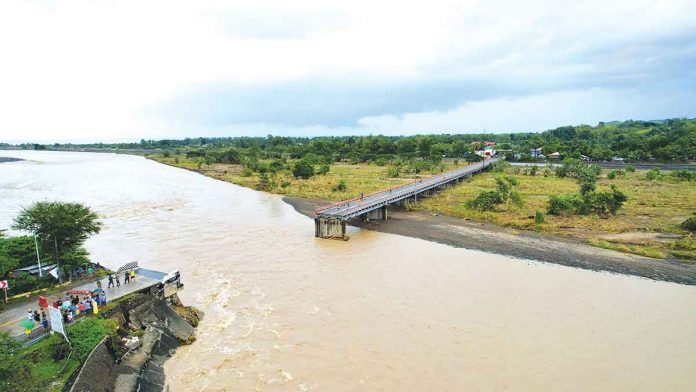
(287, 312)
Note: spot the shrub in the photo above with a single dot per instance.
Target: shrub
(485, 201)
(683, 175)
(265, 182)
(630, 169)
(246, 172)
(689, 224)
(604, 203)
(533, 170)
(564, 205)
(166, 154)
(653, 175)
(611, 175)
(228, 155)
(324, 169)
(393, 172)
(569, 168)
(303, 169)
(285, 184)
(340, 187)
(516, 199)
(539, 217)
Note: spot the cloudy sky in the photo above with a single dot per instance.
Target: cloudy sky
(125, 70)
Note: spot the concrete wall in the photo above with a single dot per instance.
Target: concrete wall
(329, 228)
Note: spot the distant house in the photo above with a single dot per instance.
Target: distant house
(486, 152)
(555, 155)
(584, 157)
(489, 144)
(536, 152)
(617, 159)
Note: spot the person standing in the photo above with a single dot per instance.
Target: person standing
(118, 281)
(132, 276)
(126, 277)
(37, 317)
(44, 320)
(30, 315)
(111, 281)
(102, 298)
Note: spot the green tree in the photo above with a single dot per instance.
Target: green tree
(303, 169)
(65, 226)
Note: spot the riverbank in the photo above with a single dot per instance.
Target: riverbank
(647, 225)
(122, 349)
(523, 244)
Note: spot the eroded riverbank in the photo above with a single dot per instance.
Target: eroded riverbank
(523, 244)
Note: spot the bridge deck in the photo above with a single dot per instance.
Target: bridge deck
(348, 209)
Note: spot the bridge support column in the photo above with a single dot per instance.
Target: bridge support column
(330, 228)
(378, 214)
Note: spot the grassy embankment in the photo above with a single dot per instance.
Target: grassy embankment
(361, 178)
(47, 365)
(653, 207)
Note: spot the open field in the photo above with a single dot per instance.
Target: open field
(361, 178)
(647, 224)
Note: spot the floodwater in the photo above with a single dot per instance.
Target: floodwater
(287, 312)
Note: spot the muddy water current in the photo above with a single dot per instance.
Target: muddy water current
(287, 312)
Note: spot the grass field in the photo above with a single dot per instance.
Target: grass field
(646, 225)
(653, 209)
(360, 178)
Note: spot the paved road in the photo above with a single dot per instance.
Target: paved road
(10, 317)
(351, 208)
(614, 165)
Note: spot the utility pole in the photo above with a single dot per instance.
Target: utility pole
(38, 257)
(55, 243)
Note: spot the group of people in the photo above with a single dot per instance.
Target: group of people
(38, 318)
(128, 276)
(75, 306)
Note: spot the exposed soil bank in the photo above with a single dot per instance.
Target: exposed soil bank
(523, 244)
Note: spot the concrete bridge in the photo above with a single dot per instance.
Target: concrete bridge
(331, 219)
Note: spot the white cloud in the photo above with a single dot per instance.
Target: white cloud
(79, 70)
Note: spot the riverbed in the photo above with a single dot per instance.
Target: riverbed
(285, 311)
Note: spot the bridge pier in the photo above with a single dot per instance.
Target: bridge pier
(330, 228)
(376, 214)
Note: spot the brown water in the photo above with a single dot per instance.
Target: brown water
(287, 312)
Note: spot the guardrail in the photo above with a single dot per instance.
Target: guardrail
(398, 193)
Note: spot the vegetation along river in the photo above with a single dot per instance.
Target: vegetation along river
(287, 312)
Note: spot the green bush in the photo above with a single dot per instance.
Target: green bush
(303, 169)
(485, 201)
(683, 175)
(539, 217)
(340, 187)
(564, 205)
(653, 175)
(393, 172)
(689, 224)
(611, 175)
(630, 169)
(324, 169)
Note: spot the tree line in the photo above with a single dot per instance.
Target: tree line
(671, 140)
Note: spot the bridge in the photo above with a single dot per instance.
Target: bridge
(331, 219)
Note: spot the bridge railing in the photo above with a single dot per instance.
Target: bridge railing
(402, 192)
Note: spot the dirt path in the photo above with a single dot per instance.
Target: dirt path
(523, 244)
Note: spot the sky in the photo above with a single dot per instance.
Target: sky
(83, 71)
